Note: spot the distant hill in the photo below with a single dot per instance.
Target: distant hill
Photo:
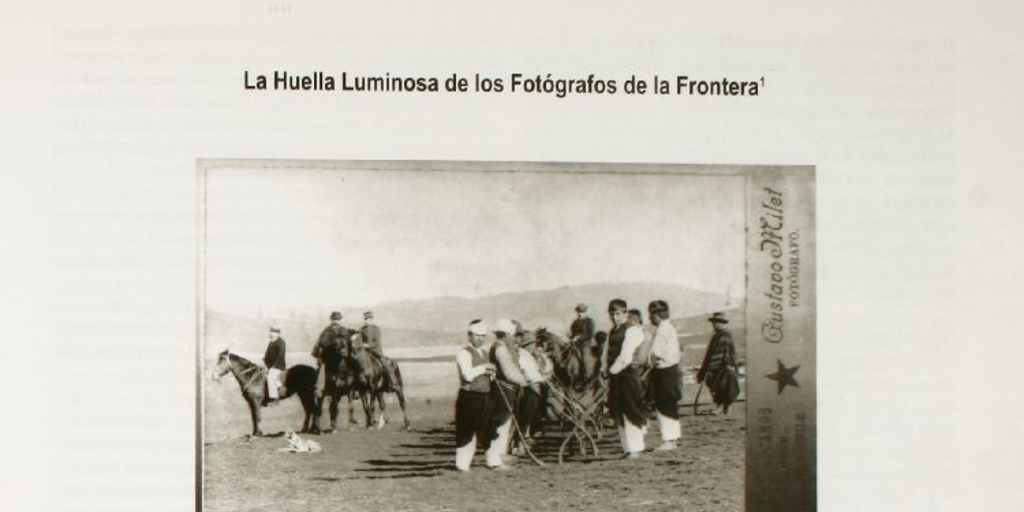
(442, 320)
(695, 332)
(551, 308)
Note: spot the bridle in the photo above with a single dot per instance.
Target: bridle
(258, 374)
(255, 369)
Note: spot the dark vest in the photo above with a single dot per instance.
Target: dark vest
(481, 384)
(616, 337)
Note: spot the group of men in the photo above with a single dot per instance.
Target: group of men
(500, 385)
(500, 390)
(336, 342)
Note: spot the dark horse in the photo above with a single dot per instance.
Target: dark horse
(576, 367)
(252, 379)
(338, 383)
(371, 383)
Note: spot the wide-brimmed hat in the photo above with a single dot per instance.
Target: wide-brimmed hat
(336, 315)
(582, 308)
(276, 329)
(368, 314)
(718, 318)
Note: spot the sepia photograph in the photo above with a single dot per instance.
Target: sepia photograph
(498, 336)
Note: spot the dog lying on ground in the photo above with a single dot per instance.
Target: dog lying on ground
(297, 444)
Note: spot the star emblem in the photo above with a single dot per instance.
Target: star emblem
(784, 376)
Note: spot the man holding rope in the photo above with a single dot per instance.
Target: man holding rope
(509, 379)
(531, 398)
(472, 407)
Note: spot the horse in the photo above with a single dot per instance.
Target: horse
(252, 379)
(576, 371)
(369, 381)
(338, 383)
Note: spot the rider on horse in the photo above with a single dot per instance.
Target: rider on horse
(331, 349)
(273, 358)
(581, 332)
(370, 334)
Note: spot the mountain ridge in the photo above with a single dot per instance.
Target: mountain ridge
(419, 322)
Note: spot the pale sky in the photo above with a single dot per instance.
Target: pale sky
(307, 240)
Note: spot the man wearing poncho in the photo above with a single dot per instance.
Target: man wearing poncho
(719, 368)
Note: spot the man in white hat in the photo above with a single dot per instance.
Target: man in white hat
(472, 406)
(509, 379)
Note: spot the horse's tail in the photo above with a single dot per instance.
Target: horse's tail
(397, 385)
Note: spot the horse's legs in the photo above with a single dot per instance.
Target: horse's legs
(367, 403)
(381, 395)
(307, 422)
(401, 403)
(254, 412)
(313, 408)
(317, 410)
(334, 410)
(351, 407)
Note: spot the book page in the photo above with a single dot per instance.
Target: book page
(906, 113)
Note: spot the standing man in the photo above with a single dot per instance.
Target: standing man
(539, 350)
(719, 366)
(508, 380)
(330, 349)
(625, 392)
(370, 334)
(665, 388)
(273, 359)
(643, 354)
(531, 399)
(472, 406)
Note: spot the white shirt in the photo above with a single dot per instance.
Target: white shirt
(665, 349)
(634, 338)
(530, 367)
(510, 371)
(465, 361)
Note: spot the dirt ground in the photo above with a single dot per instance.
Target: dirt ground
(394, 469)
